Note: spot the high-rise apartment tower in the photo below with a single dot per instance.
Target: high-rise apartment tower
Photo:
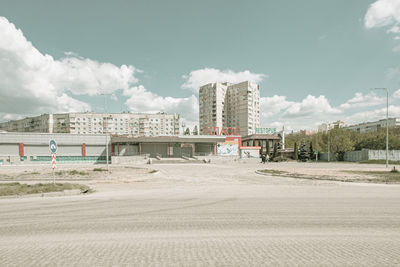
(230, 105)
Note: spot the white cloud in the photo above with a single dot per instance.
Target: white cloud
(270, 106)
(396, 94)
(393, 73)
(34, 83)
(278, 111)
(396, 48)
(373, 115)
(200, 77)
(394, 29)
(310, 106)
(383, 13)
(361, 100)
(142, 100)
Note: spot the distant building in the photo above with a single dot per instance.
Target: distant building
(132, 124)
(308, 132)
(374, 126)
(230, 105)
(324, 127)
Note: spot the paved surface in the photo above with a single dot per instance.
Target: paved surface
(202, 215)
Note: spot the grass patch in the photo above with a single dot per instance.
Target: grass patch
(99, 170)
(10, 189)
(276, 172)
(153, 171)
(381, 176)
(72, 172)
(379, 161)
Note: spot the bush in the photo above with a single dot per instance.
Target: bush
(99, 170)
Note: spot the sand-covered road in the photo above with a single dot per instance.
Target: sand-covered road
(205, 215)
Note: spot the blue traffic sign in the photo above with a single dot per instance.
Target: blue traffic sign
(53, 146)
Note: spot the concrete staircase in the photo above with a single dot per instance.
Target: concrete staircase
(175, 160)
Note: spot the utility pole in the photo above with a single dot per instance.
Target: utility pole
(387, 124)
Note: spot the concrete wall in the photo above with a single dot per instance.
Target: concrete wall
(365, 154)
(128, 159)
(205, 149)
(381, 154)
(36, 147)
(356, 155)
(9, 149)
(129, 150)
(155, 149)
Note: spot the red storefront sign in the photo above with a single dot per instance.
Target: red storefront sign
(224, 131)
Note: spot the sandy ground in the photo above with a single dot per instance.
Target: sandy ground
(220, 214)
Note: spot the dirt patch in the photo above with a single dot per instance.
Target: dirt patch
(11, 189)
(342, 175)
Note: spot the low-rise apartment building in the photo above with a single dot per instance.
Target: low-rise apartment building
(374, 126)
(131, 124)
(324, 127)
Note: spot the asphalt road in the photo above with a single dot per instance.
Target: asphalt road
(206, 215)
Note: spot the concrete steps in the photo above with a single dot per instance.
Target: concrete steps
(175, 160)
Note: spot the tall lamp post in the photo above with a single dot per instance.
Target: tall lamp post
(387, 124)
(329, 146)
(105, 127)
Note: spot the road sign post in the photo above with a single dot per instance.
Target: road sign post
(53, 150)
(53, 165)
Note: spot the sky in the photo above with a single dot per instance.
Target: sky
(315, 60)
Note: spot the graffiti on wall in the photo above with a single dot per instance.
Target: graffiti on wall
(228, 148)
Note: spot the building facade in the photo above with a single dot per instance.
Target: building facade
(211, 105)
(25, 148)
(374, 126)
(324, 127)
(230, 105)
(132, 124)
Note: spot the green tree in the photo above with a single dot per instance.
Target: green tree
(195, 131)
(296, 152)
(268, 149)
(343, 140)
(275, 151)
(311, 151)
(303, 154)
(187, 131)
(340, 142)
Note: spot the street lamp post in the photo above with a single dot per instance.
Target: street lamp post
(329, 146)
(105, 127)
(387, 124)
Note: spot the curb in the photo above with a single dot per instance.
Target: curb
(304, 177)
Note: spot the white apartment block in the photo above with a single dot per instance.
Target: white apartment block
(374, 126)
(230, 105)
(211, 105)
(324, 127)
(130, 124)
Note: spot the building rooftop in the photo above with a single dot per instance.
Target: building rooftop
(170, 139)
